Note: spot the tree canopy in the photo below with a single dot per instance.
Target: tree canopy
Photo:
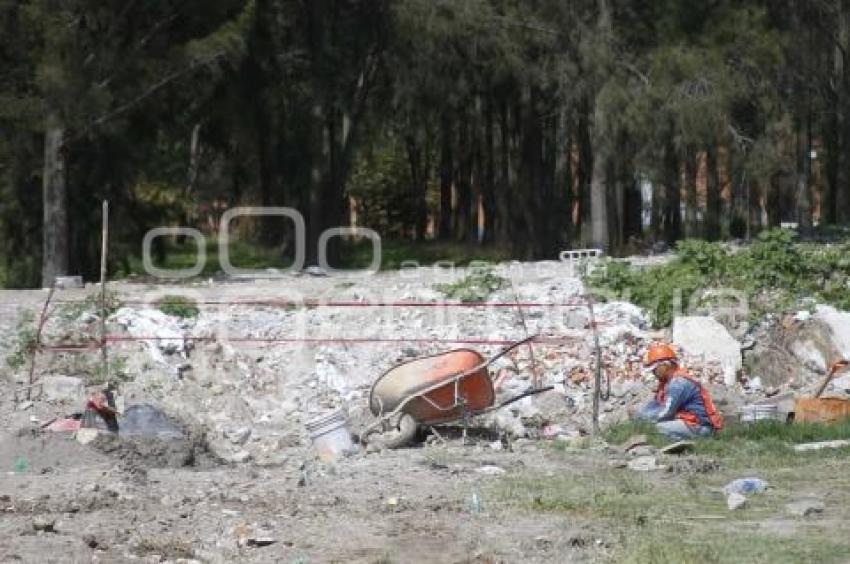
(530, 126)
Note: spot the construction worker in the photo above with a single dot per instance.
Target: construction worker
(682, 408)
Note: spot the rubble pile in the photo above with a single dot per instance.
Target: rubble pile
(251, 374)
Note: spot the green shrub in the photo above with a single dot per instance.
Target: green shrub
(775, 273)
(475, 287)
(178, 306)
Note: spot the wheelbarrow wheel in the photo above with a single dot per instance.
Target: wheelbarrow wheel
(403, 435)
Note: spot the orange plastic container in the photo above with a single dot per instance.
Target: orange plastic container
(821, 410)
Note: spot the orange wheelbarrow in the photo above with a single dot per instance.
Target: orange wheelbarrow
(449, 386)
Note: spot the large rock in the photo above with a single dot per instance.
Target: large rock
(796, 351)
(706, 337)
(839, 324)
(63, 388)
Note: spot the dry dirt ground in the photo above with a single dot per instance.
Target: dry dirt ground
(535, 503)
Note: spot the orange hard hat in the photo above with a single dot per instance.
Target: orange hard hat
(658, 352)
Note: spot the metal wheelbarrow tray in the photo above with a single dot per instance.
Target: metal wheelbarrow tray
(437, 389)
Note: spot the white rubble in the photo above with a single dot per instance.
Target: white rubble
(707, 338)
(163, 334)
(839, 323)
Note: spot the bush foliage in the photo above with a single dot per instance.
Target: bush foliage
(775, 273)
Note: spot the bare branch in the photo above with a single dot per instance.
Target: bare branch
(739, 138)
(634, 70)
(155, 88)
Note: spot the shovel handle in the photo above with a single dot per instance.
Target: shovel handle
(836, 366)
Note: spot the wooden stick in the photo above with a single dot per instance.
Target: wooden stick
(597, 373)
(36, 345)
(104, 245)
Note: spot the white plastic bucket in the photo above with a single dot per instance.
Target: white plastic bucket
(330, 436)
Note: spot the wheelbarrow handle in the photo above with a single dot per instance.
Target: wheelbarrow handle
(531, 392)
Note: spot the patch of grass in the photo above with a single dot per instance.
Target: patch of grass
(620, 433)
(353, 255)
(682, 517)
(776, 273)
(767, 440)
(400, 254)
(661, 546)
(475, 287)
(178, 306)
(184, 256)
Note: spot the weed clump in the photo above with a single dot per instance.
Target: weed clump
(178, 306)
(476, 287)
(25, 341)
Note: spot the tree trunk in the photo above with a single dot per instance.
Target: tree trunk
(840, 191)
(55, 251)
(488, 189)
(599, 200)
(804, 197)
(419, 184)
(672, 197)
(503, 234)
(320, 156)
(585, 175)
(691, 167)
(446, 178)
(463, 213)
(712, 204)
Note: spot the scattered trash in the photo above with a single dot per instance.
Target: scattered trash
(805, 507)
(65, 425)
(20, 465)
(552, 431)
(85, 436)
(840, 443)
(490, 470)
(735, 501)
(634, 441)
(746, 486)
(260, 541)
(44, 524)
(475, 504)
(678, 447)
(644, 464)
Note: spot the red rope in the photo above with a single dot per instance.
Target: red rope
(66, 347)
(319, 303)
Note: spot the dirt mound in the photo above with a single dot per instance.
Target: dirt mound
(150, 439)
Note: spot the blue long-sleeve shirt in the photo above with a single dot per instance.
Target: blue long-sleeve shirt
(680, 394)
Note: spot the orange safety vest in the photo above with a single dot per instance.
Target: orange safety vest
(691, 418)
